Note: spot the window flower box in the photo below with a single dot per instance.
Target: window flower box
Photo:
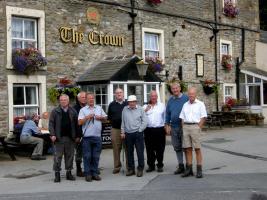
(154, 64)
(227, 62)
(154, 2)
(230, 9)
(27, 60)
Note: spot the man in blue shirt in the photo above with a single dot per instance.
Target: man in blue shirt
(90, 118)
(27, 137)
(173, 123)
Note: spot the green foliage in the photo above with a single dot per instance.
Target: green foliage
(54, 92)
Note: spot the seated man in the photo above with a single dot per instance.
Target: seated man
(27, 137)
(43, 123)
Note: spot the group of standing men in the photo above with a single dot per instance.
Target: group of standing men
(133, 126)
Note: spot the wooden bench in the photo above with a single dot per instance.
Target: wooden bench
(7, 148)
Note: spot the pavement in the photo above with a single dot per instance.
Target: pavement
(235, 167)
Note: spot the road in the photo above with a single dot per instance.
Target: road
(235, 167)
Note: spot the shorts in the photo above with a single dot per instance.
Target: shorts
(191, 137)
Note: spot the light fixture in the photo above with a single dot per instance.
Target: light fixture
(142, 68)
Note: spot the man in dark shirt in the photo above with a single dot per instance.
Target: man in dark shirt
(114, 115)
(63, 126)
(81, 102)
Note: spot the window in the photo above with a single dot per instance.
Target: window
(25, 100)
(229, 91)
(225, 48)
(153, 43)
(101, 94)
(25, 28)
(254, 95)
(24, 33)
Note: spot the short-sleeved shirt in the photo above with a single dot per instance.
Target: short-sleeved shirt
(91, 127)
(193, 112)
(155, 115)
(29, 128)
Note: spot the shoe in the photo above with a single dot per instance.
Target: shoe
(179, 170)
(116, 171)
(88, 178)
(96, 178)
(130, 172)
(69, 176)
(139, 173)
(38, 157)
(199, 171)
(79, 171)
(57, 177)
(160, 169)
(150, 169)
(188, 171)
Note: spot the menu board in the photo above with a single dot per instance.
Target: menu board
(106, 133)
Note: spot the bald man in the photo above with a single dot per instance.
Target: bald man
(155, 137)
(193, 117)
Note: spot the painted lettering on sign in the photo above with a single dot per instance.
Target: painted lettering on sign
(69, 35)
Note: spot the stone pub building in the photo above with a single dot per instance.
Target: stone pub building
(96, 43)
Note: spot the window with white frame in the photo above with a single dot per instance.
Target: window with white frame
(24, 32)
(225, 48)
(25, 28)
(25, 100)
(101, 94)
(229, 91)
(153, 43)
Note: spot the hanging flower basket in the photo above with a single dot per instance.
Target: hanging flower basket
(227, 62)
(230, 10)
(210, 86)
(154, 2)
(27, 60)
(64, 86)
(154, 64)
(182, 84)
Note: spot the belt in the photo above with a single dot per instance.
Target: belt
(190, 123)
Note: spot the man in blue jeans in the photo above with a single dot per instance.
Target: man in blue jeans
(173, 124)
(133, 124)
(90, 118)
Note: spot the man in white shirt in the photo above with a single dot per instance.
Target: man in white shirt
(193, 117)
(155, 137)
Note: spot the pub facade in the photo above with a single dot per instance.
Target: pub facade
(97, 44)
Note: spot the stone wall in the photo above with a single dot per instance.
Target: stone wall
(72, 60)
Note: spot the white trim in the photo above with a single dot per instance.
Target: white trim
(229, 85)
(24, 12)
(32, 79)
(145, 93)
(230, 47)
(161, 41)
(253, 74)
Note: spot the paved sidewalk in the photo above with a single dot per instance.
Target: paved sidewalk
(239, 150)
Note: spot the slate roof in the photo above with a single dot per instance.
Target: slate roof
(122, 68)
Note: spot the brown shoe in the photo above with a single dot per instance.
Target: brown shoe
(88, 178)
(116, 171)
(96, 178)
(139, 173)
(130, 172)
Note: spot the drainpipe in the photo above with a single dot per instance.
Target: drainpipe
(133, 15)
(215, 32)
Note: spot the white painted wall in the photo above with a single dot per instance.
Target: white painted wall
(261, 58)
